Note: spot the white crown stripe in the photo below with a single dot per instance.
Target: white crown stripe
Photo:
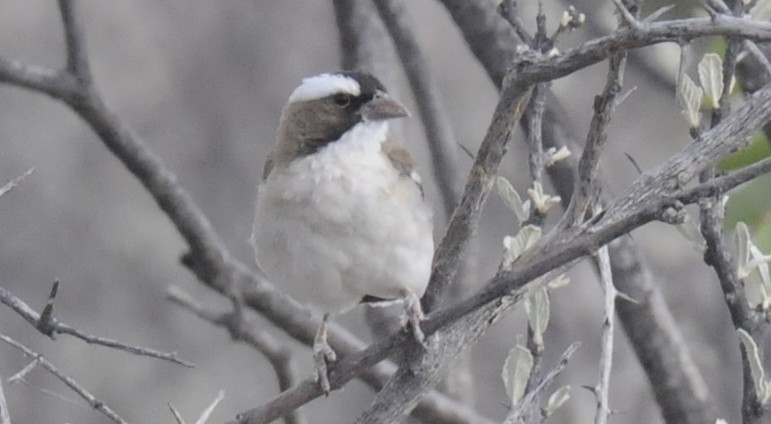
(323, 85)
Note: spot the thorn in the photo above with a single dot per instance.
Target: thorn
(467, 151)
(634, 163)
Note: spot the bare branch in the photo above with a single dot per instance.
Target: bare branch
(177, 416)
(602, 390)
(588, 166)
(463, 222)
(209, 409)
(53, 83)
(77, 56)
(509, 10)
(628, 16)
(754, 50)
(22, 374)
(68, 381)
(721, 185)
(51, 326)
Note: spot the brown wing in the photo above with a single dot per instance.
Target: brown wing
(402, 160)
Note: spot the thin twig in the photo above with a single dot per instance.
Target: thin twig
(588, 166)
(209, 409)
(52, 326)
(53, 83)
(530, 397)
(754, 50)
(10, 185)
(449, 253)
(509, 10)
(177, 416)
(717, 5)
(77, 56)
(602, 390)
(22, 374)
(535, 135)
(68, 381)
(721, 185)
(5, 416)
(629, 18)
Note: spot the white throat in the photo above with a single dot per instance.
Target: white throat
(367, 135)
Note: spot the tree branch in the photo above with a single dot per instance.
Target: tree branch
(586, 188)
(463, 222)
(74, 38)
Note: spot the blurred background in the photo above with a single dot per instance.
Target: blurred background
(204, 83)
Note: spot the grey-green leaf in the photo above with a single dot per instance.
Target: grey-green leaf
(557, 399)
(743, 242)
(516, 371)
(756, 366)
(689, 96)
(512, 198)
(513, 247)
(762, 10)
(711, 77)
(537, 308)
(690, 231)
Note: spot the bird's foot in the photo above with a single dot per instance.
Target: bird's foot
(323, 355)
(413, 314)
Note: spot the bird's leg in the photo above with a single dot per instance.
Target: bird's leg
(323, 355)
(413, 314)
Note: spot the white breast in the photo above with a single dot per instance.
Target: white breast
(342, 223)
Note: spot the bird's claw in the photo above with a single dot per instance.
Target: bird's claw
(413, 314)
(323, 355)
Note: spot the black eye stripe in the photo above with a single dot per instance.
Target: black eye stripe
(345, 100)
(342, 99)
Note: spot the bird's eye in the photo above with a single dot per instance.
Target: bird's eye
(342, 100)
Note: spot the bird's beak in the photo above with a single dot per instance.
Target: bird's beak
(383, 107)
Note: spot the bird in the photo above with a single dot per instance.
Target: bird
(340, 215)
